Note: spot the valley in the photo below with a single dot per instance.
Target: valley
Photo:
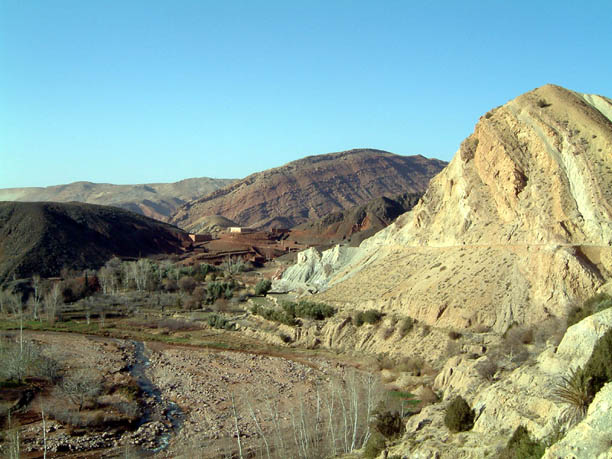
(355, 304)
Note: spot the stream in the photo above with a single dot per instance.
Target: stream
(155, 407)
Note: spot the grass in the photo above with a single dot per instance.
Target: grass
(69, 326)
(573, 391)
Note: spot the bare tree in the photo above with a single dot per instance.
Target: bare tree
(236, 426)
(44, 429)
(53, 300)
(81, 386)
(37, 297)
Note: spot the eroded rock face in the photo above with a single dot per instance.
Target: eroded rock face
(590, 438)
(518, 227)
(312, 188)
(523, 397)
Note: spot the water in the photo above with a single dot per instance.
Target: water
(156, 407)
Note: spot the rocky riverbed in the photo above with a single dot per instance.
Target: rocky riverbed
(187, 397)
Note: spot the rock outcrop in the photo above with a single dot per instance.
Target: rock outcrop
(311, 188)
(525, 396)
(518, 227)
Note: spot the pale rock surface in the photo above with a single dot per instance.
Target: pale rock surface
(591, 437)
(517, 228)
(523, 397)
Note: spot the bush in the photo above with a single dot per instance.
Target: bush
(412, 365)
(274, 315)
(263, 286)
(218, 321)
(376, 443)
(591, 306)
(169, 285)
(289, 312)
(542, 103)
(406, 326)
(371, 316)
(454, 335)
(285, 338)
(187, 284)
(216, 290)
(312, 310)
(522, 446)
(389, 424)
(459, 416)
(573, 390)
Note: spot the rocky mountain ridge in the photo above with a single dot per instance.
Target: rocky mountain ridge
(311, 188)
(517, 228)
(155, 200)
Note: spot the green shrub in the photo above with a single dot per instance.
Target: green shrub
(374, 446)
(274, 315)
(459, 416)
(218, 321)
(522, 446)
(263, 286)
(371, 316)
(591, 306)
(289, 312)
(315, 311)
(216, 290)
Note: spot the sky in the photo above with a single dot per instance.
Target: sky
(158, 91)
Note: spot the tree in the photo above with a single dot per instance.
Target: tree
(53, 300)
(263, 286)
(81, 386)
(187, 284)
(459, 416)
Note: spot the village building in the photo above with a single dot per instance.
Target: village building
(200, 237)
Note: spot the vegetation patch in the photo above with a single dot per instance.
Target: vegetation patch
(289, 312)
(406, 326)
(522, 446)
(218, 321)
(371, 316)
(459, 416)
(591, 306)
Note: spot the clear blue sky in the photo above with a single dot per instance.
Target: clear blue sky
(147, 91)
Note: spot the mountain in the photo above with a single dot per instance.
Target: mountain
(311, 188)
(43, 237)
(359, 222)
(517, 228)
(155, 200)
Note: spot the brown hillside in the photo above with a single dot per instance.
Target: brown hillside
(311, 188)
(44, 237)
(155, 200)
(357, 223)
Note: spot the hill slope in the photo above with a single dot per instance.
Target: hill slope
(40, 237)
(359, 222)
(155, 200)
(311, 188)
(518, 226)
